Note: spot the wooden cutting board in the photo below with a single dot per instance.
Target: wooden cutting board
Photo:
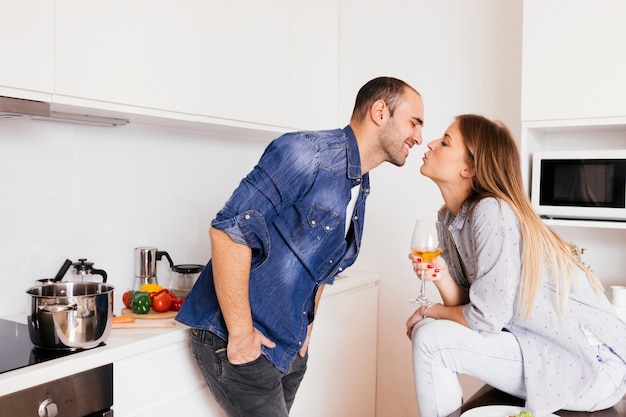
(151, 315)
(138, 324)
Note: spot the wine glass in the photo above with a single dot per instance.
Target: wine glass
(425, 244)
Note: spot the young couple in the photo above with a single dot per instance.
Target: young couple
(519, 311)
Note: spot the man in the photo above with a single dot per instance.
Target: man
(290, 227)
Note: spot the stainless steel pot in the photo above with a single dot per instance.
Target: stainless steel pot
(70, 315)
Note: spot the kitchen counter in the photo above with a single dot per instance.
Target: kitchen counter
(121, 344)
(125, 347)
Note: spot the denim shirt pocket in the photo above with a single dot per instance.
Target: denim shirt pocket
(309, 236)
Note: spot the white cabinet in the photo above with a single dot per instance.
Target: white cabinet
(271, 65)
(573, 89)
(341, 374)
(163, 380)
(574, 65)
(244, 60)
(27, 33)
(314, 63)
(603, 240)
(139, 53)
(272, 62)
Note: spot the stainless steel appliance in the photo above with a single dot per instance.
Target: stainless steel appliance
(85, 394)
(145, 265)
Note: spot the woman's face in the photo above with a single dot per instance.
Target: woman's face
(446, 160)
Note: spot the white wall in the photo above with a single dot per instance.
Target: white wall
(74, 191)
(463, 56)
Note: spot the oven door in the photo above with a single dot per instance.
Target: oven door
(86, 394)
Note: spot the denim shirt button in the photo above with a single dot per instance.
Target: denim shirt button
(327, 228)
(340, 269)
(330, 261)
(312, 221)
(247, 217)
(299, 343)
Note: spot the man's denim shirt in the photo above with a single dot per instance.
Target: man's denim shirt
(291, 210)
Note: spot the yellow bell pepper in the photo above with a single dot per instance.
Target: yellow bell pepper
(150, 288)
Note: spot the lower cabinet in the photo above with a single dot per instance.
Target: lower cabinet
(341, 376)
(340, 380)
(162, 382)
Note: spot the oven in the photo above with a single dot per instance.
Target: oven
(85, 394)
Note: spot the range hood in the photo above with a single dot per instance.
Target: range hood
(13, 108)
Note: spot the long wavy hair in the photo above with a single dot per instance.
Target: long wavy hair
(493, 153)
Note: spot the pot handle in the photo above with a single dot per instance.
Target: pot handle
(101, 273)
(59, 276)
(56, 308)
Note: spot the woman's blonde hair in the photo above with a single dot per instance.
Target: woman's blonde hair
(493, 153)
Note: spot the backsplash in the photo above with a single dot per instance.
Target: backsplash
(74, 191)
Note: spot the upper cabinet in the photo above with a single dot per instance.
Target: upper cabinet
(265, 66)
(27, 50)
(139, 53)
(244, 60)
(273, 62)
(573, 89)
(314, 63)
(574, 65)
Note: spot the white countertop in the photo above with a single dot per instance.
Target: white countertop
(121, 344)
(126, 343)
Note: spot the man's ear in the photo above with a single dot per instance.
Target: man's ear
(379, 112)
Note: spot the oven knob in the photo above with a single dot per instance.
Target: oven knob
(48, 408)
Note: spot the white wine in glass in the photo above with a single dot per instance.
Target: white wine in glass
(425, 244)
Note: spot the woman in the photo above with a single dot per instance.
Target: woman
(520, 311)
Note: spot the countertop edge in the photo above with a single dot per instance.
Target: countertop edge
(126, 343)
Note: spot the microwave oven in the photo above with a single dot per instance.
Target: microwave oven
(577, 184)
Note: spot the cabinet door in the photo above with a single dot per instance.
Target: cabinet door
(140, 53)
(27, 33)
(574, 65)
(154, 382)
(244, 60)
(341, 375)
(314, 63)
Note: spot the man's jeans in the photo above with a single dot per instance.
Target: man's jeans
(254, 389)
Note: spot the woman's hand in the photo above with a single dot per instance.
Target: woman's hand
(415, 318)
(433, 271)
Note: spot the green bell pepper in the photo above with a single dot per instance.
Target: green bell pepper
(140, 302)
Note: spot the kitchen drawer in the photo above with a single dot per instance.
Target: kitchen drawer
(150, 380)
